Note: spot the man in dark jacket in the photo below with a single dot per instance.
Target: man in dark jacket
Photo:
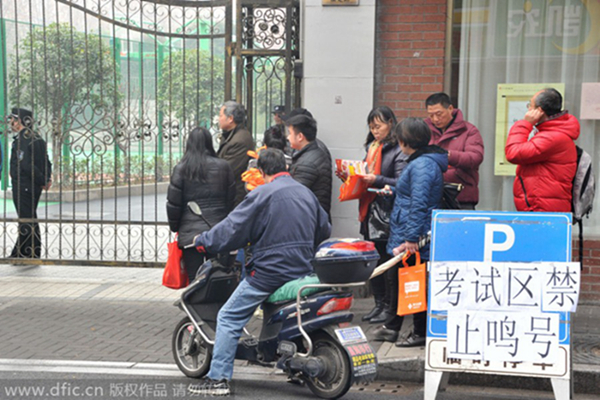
(463, 142)
(235, 143)
(284, 222)
(310, 164)
(30, 173)
(304, 111)
(547, 160)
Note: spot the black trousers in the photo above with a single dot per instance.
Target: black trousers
(385, 286)
(29, 241)
(467, 206)
(419, 319)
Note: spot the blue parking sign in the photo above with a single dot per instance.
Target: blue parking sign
(499, 237)
(471, 236)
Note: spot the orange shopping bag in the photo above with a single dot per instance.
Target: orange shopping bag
(354, 187)
(412, 288)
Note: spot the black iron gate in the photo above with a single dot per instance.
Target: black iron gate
(115, 86)
(269, 68)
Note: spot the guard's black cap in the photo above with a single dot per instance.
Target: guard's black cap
(297, 111)
(26, 116)
(279, 110)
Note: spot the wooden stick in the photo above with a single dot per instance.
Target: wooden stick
(387, 265)
(396, 259)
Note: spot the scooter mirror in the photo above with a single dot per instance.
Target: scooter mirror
(194, 207)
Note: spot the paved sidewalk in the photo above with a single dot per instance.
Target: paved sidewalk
(125, 315)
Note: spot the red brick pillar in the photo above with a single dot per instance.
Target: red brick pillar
(409, 51)
(590, 275)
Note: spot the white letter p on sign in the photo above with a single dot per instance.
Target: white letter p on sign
(489, 246)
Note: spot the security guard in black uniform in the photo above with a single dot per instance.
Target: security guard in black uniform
(30, 173)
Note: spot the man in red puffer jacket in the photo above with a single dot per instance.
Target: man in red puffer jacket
(542, 146)
(464, 144)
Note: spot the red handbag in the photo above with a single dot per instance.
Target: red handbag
(175, 275)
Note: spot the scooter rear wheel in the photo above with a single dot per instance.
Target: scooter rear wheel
(337, 379)
(191, 354)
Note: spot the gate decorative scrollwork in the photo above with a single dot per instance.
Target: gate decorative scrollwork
(115, 86)
(270, 49)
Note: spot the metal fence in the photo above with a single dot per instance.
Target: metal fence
(114, 87)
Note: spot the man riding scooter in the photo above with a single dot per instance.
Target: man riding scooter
(284, 222)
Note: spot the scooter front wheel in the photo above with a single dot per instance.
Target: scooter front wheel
(189, 350)
(337, 378)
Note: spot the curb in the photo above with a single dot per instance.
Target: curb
(586, 377)
(118, 368)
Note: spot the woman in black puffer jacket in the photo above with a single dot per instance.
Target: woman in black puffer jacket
(201, 177)
(385, 162)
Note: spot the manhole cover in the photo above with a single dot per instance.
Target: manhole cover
(586, 350)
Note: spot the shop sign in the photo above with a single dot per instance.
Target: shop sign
(543, 28)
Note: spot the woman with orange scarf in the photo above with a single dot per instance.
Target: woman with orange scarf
(385, 163)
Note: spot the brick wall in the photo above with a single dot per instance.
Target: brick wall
(409, 66)
(409, 51)
(590, 282)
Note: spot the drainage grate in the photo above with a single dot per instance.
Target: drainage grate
(378, 387)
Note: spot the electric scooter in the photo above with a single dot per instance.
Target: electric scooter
(307, 336)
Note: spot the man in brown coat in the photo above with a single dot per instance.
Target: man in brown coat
(235, 143)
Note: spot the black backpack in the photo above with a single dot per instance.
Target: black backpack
(449, 195)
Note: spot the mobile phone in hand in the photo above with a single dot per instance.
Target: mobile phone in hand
(379, 191)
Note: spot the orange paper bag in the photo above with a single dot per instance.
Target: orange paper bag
(412, 288)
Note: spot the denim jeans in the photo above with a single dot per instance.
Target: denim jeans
(232, 318)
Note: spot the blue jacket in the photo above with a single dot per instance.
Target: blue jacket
(284, 223)
(418, 191)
